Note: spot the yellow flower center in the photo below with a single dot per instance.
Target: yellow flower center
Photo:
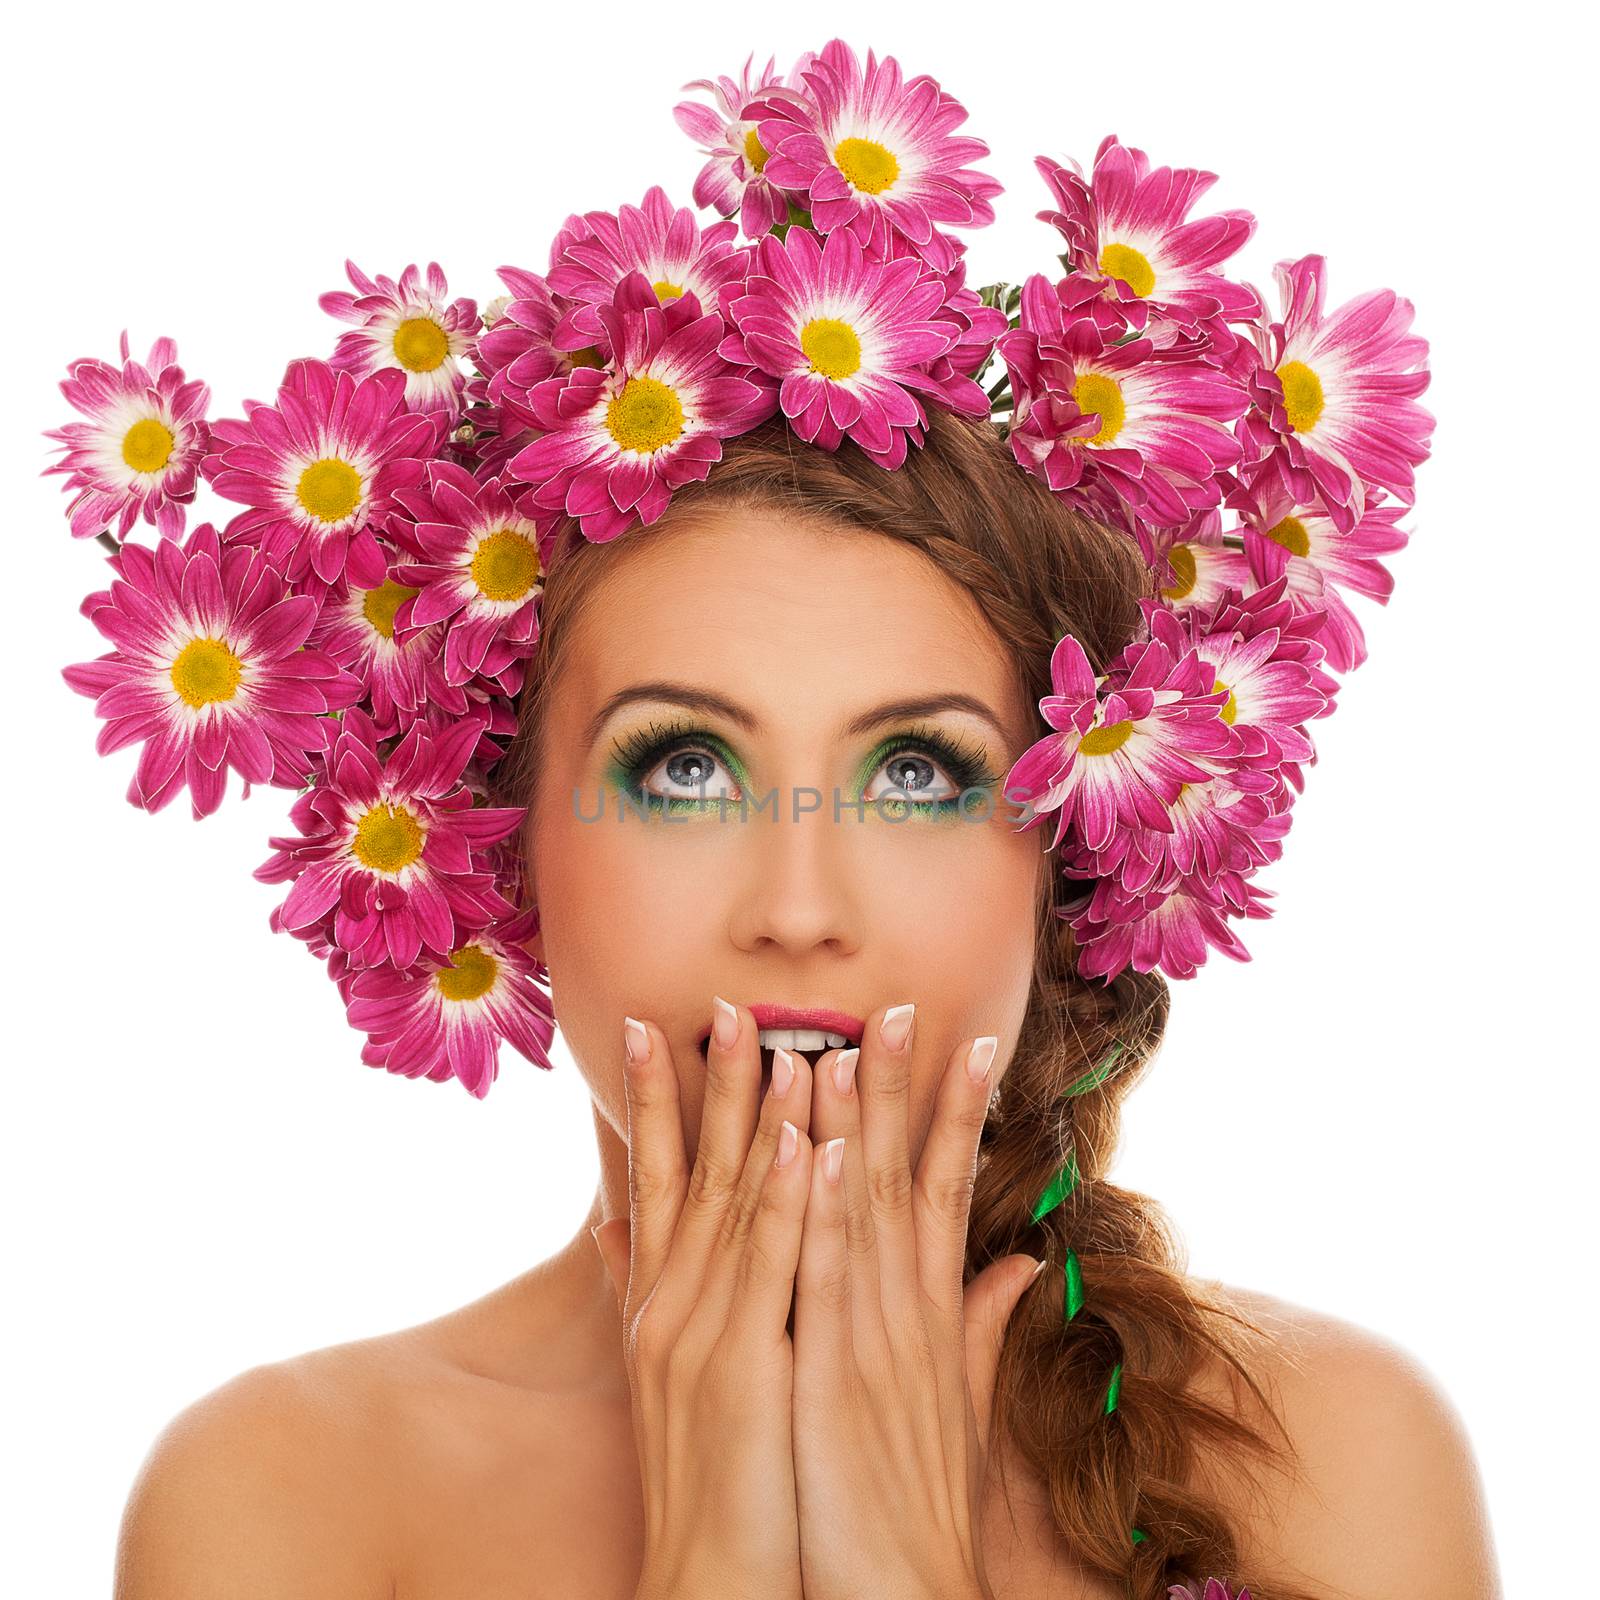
(469, 976)
(1302, 395)
(831, 347)
(1230, 706)
(1291, 534)
(206, 670)
(329, 489)
(1132, 266)
(1096, 392)
(754, 153)
(666, 290)
(1102, 741)
(645, 416)
(1181, 559)
(867, 165)
(147, 444)
(381, 603)
(388, 838)
(420, 344)
(506, 565)
(586, 357)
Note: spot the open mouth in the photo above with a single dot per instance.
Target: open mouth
(812, 1043)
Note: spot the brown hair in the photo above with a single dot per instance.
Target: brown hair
(1038, 569)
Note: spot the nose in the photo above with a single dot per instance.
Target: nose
(798, 883)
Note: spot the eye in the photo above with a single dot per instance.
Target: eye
(690, 773)
(912, 777)
(928, 770)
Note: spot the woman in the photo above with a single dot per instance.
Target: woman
(856, 1036)
(522, 1445)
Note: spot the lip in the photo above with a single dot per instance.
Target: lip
(770, 1016)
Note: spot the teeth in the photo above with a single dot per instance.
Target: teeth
(801, 1039)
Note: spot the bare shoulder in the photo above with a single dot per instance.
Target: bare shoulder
(273, 1474)
(305, 1474)
(1386, 1498)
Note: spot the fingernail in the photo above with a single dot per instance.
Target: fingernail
(782, 1072)
(895, 1028)
(981, 1057)
(844, 1069)
(1037, 1270)
(724, 1023)
(635, 1040)
(788, 1142)
(833, 1159)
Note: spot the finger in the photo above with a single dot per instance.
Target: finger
(836, 1114)
(658, 1172)
(765, 1281)
(727, 1121)
(823, 1312)
(990, 1302)
(788, 1098)
(942, 1189)
(883, 1084)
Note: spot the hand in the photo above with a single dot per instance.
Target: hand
(894, 1362)
(704, 1272)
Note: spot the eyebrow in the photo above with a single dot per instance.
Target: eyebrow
(693, 698)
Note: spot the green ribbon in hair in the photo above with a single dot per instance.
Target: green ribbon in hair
(1095, 1076)
(1114, 1386)
(1059, 1187)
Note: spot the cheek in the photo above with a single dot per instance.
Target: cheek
(627, 918)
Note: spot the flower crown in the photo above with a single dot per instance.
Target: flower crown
(360, 630)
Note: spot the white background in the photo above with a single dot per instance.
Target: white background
(1385, 1115)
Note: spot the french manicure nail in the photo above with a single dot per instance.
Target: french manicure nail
(788, 1142)
(895, 1028)
(725, 1023)
(833, 1159)
(635, 1040)
(782, 1072)
(980, 1058)
(844, 1069)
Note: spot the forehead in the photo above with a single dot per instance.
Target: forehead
(793, 617)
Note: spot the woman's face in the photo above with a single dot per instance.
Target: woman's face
(805, 636)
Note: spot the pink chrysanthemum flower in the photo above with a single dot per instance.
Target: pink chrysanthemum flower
(406, 325)
(447, 1021)
(667, 244)
(1139, 422)
(1217, 829)
(1335, 397)
(208, 670)
(1266, 653)
(623, 439)
(867, 151)
(1174, 930)
(849, 339)
(318, 466)
(1119, 758)
(519, 352)
(140, 451)
(1127, 225)
(480, 570)
(1215, 1589)
(399, 676)
(1303, 544)
(976, 325)
(387, 846)
(1193, 564)
(734, 179)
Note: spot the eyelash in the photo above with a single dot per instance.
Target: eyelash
(964, 763)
